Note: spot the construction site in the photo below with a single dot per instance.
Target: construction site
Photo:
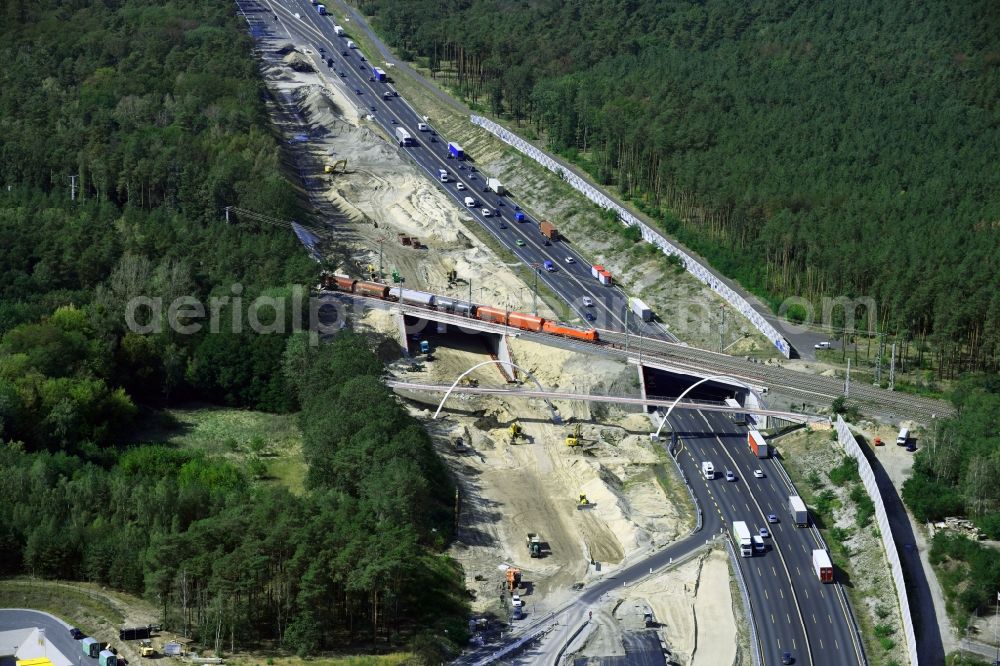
(551, 495)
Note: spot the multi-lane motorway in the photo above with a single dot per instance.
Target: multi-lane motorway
(570, 274)
(792, 611)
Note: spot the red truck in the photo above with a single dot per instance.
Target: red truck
(548, 230)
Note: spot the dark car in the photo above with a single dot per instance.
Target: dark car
(362, 67)
(589, 316)
(362, 58)
(342, 75)
(503, 226)
(787, 658)
(357, 91)
(343, 53)
(472, 169)
(371, 78)
(76, 633)
(433, 140)
(322, 50)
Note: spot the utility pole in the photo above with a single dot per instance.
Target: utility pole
(878, 360)
(847, 380)
(72, 188)
(892, 369)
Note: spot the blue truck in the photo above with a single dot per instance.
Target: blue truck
(379, 73)
(519, 216)
(456, 151)
(321, 9)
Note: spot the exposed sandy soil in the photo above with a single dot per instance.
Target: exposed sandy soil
(382, 194)
(692, 604)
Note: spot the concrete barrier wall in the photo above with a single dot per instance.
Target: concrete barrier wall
(846, 438)
(649, 234)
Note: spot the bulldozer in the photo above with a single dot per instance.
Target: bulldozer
(332, 168)
(574, 439)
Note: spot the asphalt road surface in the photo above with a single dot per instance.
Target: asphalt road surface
(56, 632)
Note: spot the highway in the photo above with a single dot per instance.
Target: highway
(793, 610)
(56, 632)
(570, 273)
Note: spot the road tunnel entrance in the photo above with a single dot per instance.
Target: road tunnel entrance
(666, 384)
(423, 336)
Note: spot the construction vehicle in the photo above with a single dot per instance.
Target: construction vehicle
(147, 651)
(574, 439)
(583, 503)
(534, 543)
(878, 442)
(513, 577)
(515, 431)
(332, 168)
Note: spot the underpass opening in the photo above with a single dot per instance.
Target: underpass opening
(439, 334)
(661, 383)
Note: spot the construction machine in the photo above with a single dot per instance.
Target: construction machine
(574, 439)
(583, 502)
(515, 432)
(332, 168)
(513, 579)
(534, 543)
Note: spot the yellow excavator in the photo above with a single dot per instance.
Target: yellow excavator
(515, 432)
(583, 503)
(332, 168)
(574, 439)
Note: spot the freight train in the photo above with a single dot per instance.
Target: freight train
(525, 322)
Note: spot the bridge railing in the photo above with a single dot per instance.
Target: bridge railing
(649, 234)
(850, 444)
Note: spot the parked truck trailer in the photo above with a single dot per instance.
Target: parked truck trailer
(798, 510)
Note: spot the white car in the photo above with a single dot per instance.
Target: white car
(822, 345)
(570, 260)
(487, 212)
(758, 474)
(460, 186)
(516, 600)
(730, 476)
(588, 302)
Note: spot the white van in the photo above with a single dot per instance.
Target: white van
(470, 202)
(351, 44)
(904, 434)
(421, 127)
(443, 175)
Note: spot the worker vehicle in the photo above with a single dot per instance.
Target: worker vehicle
(515, 431)
(513, 578)
(708, 470)
(107, 658)
(147, 652)
(91, 647)
(515, 600)
(534, 543)
(903, 436)
(76, 633)
(574, 439)
(137, 633)
(583, 502)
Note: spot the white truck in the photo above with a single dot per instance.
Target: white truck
(442, 175)
(403, 137)
(495, 185)
(708, 470)
(741, 536)
(640, 309)
(339, 29)
(739, 418)
(470, 202)
(798, 510)
(351, 44)
(822, 566)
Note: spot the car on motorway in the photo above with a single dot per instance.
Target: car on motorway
(758, 474)
(76, 633)
(371, 78)
(343, 53)
(322, 50)
(570, 260)
(357, 91)
(362, 67)
(503, 226)
(730, 476)
(764, 533)
(787, 658)
(472, 169)
(460, 186)
(386, 94)
(588, 302)
(546, 242)
(362, 58)
(487, 212)
(519, 243)
(589, 316)
(772, 518)
(342, 75)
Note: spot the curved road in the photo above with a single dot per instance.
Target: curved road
(56, 632)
